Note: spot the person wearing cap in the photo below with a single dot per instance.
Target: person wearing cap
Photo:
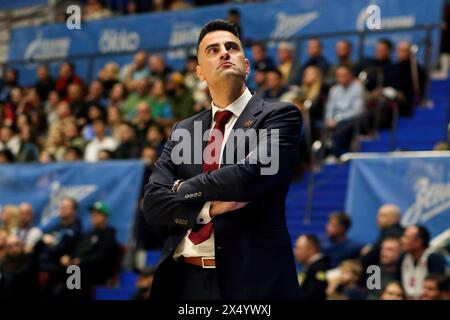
(97, 251)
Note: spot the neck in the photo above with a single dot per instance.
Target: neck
(417, 254)
(224, 93)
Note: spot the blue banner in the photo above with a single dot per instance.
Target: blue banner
(117, 183)
(420, 186)
(260, 21)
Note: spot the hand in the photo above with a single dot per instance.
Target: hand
(220, 207)
(65, 261)
(49, 240)
(330, 124)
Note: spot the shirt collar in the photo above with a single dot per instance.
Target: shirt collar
(237, 106)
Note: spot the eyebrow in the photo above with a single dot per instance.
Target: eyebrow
(217, 44)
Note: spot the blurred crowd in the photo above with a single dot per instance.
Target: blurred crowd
(400, 265)
(127, 112)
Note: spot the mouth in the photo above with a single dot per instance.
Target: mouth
(225, 64)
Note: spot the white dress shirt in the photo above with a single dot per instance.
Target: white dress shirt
(206, 249)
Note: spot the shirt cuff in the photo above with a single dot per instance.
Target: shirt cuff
(204, 217)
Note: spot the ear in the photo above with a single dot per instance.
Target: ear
(247, 67)
(199, 72)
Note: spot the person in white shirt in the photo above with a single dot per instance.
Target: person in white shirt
(100, 142)
(28, 234)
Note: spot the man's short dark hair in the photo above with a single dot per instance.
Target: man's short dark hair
(342, 218)
(217, 25)
(313, 241)
(386, 42)
(441, 281)
(424, 235)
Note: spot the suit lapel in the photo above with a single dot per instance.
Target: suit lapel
(245, 121)
(205, 125)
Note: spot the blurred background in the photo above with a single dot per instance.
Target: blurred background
(89, 91)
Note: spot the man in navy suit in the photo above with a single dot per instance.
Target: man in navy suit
(226, 211)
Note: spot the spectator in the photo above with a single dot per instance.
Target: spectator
(11, 81)
(144, 284)
(180, 97)
(118, 95)
(9, 140)
(101, 141)
(315, 56)
(343, 109)
(336, 245)
(179, 5)
(159, 104)
(157, 67)
(105, 155)
(400, 77)
(128, 147)
(3, 238)
(73, 154)
(155, 137)
(388, 222)
(288, 66)
(95, 112)
(149, 155)
(418, 260)
(6, 156)
(109, 77)
(45, 83)
(95, 10)
(58, 241)
(9, 217)
(137, 70)
(77, 104)
(275, 87)
(27, 233)
(46, 157)
(72, 136)
(28, 151)
(312, 279)
(259, 56)
(12, 106)
(389, 255)
(140, 95)
(434, 287)
(66, 77)
(142, 121)
(115, 119)
(346, 287)
(18, 272)
(344, 56)
(393, 290)
(375, 68)
(234, 17)
(56, 143)
(95, 94)
(97, 251)
(30, 103)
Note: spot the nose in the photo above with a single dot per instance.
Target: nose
(224, 54)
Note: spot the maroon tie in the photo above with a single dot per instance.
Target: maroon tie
(202, 232)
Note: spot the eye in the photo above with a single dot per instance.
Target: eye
(232, 46)
(212, 50)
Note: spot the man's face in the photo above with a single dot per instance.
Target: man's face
(333, 228)
(314, 49)
(390, 252)
(403, 51)
(392, 292)
(273, 80)
(257, 53)
(382, 51)
(25, 214)
(302, 251)
(409, 239)
(98, 219)
(343, 76)
(14, 246)
(66, 209)
(342, 50)
(430, 290)
(221, 58)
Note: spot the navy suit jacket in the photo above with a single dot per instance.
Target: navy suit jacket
(253, 251)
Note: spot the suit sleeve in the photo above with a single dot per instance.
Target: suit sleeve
(246, 180)
(160, 206)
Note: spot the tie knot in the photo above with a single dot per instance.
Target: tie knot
(222, 117)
